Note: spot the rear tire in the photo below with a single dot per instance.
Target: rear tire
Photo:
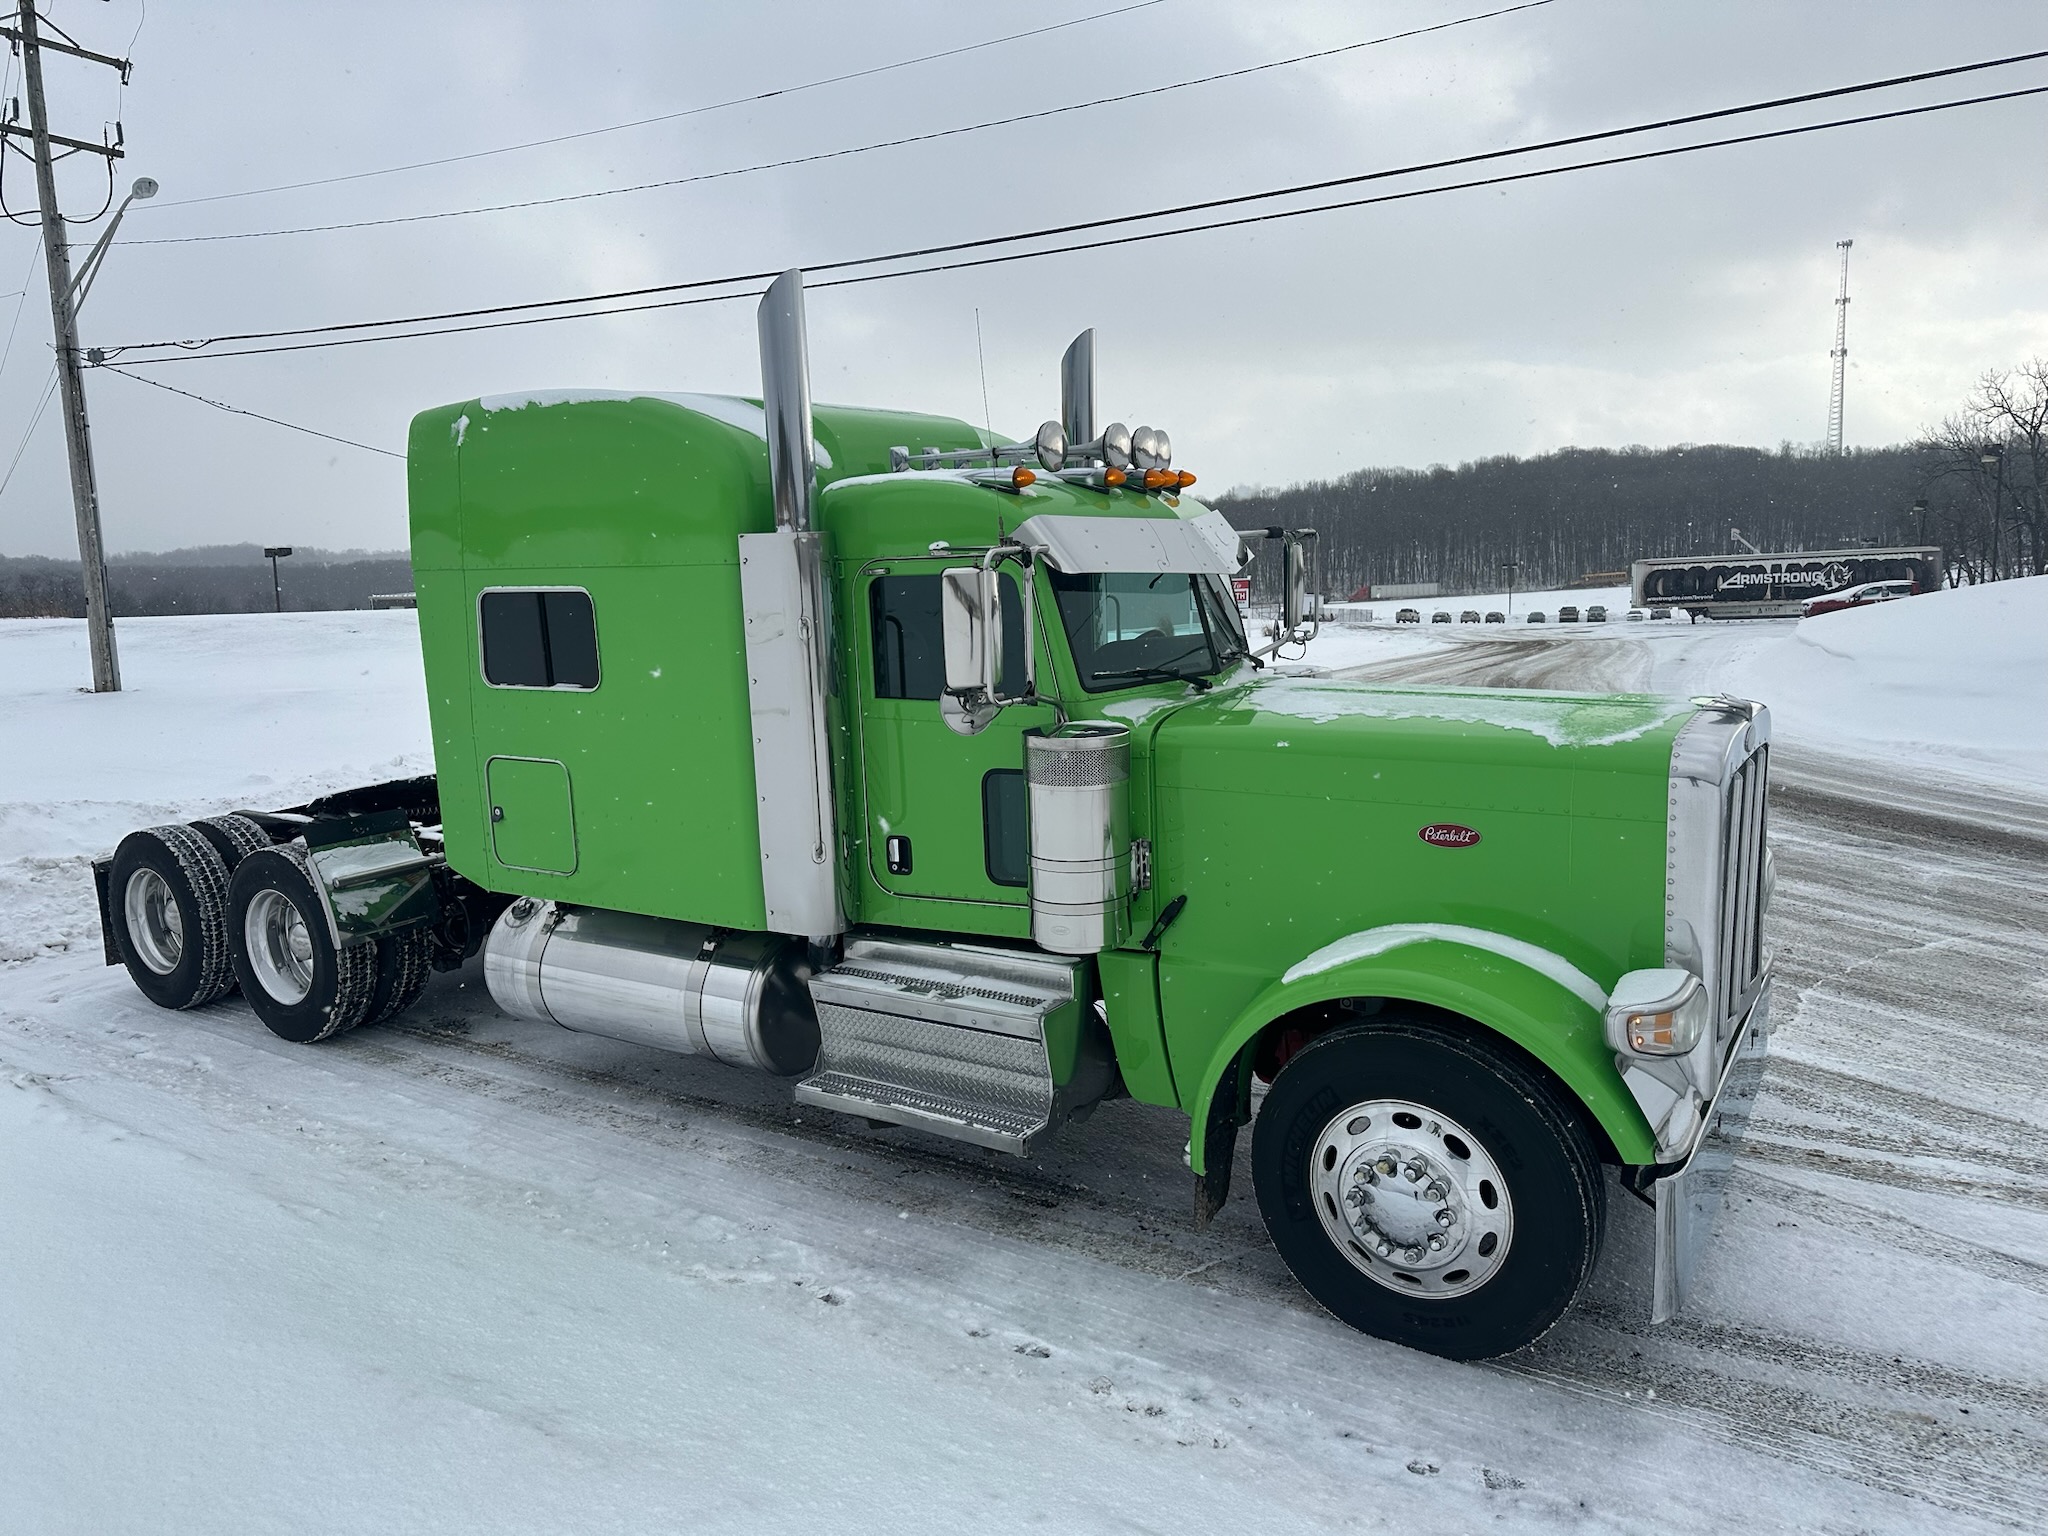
(1428, 1188)
(234, 837)
(301, 987)
(405, 960)
(167, 899)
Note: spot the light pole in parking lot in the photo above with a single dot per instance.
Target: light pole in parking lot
(1508, 568)
(273, 554)
(1992, 457)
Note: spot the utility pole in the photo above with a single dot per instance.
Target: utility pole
(1840, 355)
(1508, 568)
(85, 496)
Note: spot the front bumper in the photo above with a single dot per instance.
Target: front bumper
(1689, 1200)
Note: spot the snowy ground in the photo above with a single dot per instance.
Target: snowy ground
(464, 1273)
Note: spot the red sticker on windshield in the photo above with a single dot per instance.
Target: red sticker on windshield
(1448, 834)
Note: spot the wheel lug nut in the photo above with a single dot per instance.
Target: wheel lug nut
(1413, 1255)
(1435, 1192)
(1444, 1217)
(1436, 1243)
(1385, 1165)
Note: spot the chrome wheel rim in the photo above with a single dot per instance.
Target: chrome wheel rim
(280, 947)
(1412, 1199)
(155, 925)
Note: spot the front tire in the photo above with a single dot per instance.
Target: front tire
(1428, 1188)
(301, 987)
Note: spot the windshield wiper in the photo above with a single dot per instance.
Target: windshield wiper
(1156, 674)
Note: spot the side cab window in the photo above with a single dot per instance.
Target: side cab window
(909, 646)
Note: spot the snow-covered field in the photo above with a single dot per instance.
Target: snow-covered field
(465, 1273)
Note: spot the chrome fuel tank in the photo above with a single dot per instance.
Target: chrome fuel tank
(741, 998)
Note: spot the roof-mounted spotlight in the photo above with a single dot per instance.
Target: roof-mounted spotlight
(1051, 446)
(1151, 448)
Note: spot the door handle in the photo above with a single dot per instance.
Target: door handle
(896, 850)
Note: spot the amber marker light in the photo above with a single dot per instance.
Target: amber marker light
(1113, 476)
(1159, 479)
(1185, 479)
(1021, 477)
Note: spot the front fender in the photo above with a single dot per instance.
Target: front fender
(1536, 1005)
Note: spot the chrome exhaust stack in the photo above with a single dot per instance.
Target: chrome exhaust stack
(786, 401)
(1077, 389)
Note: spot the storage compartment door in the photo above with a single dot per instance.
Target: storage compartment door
(533, 824)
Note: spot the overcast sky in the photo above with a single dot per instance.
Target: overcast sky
(1683, 300)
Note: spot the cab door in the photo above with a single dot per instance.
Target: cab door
(945, 812)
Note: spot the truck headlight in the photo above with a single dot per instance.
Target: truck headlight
(1657, 1013)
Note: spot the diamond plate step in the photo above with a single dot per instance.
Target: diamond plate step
(949, 1038)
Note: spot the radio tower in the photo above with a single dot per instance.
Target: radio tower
(1841, 353)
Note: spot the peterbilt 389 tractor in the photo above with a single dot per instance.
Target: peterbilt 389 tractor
(938, 774)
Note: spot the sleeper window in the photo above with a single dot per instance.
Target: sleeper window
(539, 639)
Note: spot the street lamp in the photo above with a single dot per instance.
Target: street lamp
(144, 189)
(1920, 515)
(273, 554)
(1508, 568)
(1992, 456)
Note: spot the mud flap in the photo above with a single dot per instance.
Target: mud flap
(1229, 1108)
(1689, 1201)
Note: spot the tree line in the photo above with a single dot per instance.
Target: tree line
(1974, 485)
(235, 579)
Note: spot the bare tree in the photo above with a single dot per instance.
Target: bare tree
(1988, 471)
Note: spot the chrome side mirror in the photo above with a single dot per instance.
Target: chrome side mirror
(971, 624)
(1294, 582)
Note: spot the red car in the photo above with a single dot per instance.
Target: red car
(1857, 597)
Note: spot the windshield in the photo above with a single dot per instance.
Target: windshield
(1141, 628)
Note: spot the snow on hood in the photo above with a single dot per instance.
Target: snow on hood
(730, 409)
(1377, 941)
(1562, 719)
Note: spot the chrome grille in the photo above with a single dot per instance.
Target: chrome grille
(1740, 952)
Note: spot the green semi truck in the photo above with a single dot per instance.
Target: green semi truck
(938, 774)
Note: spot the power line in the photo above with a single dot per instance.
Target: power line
(33, 422)
(670, 117)
(236, 410)
(6, 352)
(1083, 226)
(1091, 245)
(845, 151)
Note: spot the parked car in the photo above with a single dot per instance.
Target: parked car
(1534, 618)
(1857, 597)
(1469, 616)
(1407, 616)
(1568, 614)
(1597, 614)
(1635, 615)
(1495, 616)
(1439, 617)
(1660, 613)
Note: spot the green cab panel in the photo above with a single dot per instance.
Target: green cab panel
(533, 820)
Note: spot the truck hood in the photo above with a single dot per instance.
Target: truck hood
(1330, 718)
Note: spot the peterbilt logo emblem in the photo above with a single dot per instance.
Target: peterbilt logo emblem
(1448, 834)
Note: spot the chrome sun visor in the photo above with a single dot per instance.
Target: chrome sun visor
(1091, 545)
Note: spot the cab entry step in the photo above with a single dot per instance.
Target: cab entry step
(964, 1041)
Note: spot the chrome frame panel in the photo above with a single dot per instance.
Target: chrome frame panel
(782, 596)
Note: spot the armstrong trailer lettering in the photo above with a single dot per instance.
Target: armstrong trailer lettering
(939, 776)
